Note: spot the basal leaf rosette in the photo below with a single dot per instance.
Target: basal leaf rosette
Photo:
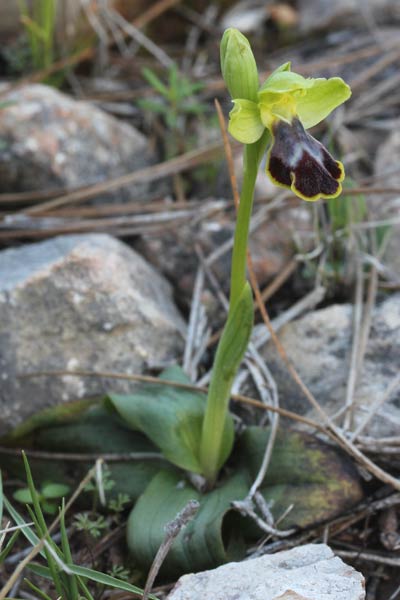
(287, 105)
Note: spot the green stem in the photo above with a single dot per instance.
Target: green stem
(217, 431)
(239, 252)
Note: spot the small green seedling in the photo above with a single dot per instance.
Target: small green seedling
(39, 21)
(175, 101)
(92, 525)
(49, 496)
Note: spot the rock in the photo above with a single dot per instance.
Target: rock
(310, 572)
(328, 14)
(319, 346)
(84, 302)
(387, 207)
(49, 141)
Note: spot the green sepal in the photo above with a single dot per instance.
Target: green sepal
(238, 65)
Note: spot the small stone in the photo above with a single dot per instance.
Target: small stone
(319, 346)
(310, 572)
(79, 302)
(51, 141)
(328, 14)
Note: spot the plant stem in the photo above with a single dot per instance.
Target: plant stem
(239, 252)
(217, 431)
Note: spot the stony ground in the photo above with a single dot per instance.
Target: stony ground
(116, 221)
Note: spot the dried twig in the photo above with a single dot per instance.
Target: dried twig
(172, 530)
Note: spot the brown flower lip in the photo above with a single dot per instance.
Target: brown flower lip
(299, 162)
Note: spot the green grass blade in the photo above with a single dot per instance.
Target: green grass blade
(38, 518)
(84, 589)
(40, 570)
(19, 520)
(37, 590)
(9, 546)
(71, 581)
(106, 580)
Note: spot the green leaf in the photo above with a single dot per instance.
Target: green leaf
(245, 124)
(315, 478)
(62, 413)
(153, 106)
(170, 417)
(90, 430)
(155, 82)
(318, 480)
(23, 495)
(54, 490)
(201, 544)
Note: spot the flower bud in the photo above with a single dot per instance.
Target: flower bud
(238, 66)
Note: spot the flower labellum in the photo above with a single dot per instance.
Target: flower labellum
(286, 105)
(297, 161)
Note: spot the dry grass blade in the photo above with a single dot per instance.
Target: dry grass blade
(152, 173)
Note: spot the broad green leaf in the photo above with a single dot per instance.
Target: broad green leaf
(315, 478)
(23, 495)
(91, 430)
(201, 544)
(54, 490)
(170, 417)
(62, 413)
(304, 472)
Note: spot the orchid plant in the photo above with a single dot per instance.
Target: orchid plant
(272, 119)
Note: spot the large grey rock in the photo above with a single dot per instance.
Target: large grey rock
(310, 572)
(319, 346)
(49, 141)
(79, 302)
